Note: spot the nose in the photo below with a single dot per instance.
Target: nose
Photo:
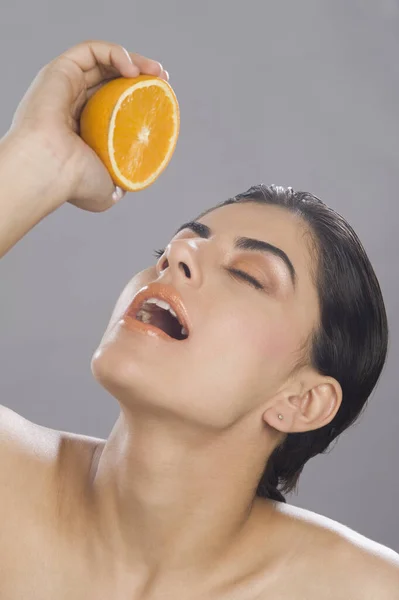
(181, 257)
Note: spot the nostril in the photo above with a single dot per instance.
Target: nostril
(186, 269)
(164, 264)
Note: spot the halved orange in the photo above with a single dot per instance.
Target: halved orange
(132, 124)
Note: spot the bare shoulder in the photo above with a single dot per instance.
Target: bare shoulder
(33, 459)
(23, 445)
(27, 466)
(366, 568)
(40, 471)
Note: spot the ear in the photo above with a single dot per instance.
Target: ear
(313, 407)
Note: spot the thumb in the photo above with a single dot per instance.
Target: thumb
(95, 191)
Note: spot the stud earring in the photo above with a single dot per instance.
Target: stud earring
(281, 417)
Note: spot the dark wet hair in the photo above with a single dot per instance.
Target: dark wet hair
(351, 341)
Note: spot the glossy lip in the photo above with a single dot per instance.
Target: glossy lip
(163, 292)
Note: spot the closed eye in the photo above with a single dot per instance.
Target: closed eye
(242, 275)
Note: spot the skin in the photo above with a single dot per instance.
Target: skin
(179, 429)
(166, 507)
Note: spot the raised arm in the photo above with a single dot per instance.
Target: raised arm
(43, 161)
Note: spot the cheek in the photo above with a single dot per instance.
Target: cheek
(240, 358)
(273, 337)
(276, 339)
(254, 335)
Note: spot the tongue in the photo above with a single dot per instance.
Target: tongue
(164, 320)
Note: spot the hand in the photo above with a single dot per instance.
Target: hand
(47, 120)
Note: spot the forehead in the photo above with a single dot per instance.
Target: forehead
(273, 224)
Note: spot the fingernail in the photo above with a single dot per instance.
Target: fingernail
(167, 74)
(118, 194)
(127, 54)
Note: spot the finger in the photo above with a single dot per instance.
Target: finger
(100, 74)
(99, 203)
(89, 55)
(105, 74)
(95, 190)
(146, 65)
(102, 60)
(118, 194)
(93, 89)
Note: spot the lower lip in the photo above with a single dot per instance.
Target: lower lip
(139, 326)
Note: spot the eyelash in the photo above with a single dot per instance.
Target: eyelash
(158, 253)
(232, 272)
(251, 280)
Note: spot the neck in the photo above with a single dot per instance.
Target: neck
(168, 498)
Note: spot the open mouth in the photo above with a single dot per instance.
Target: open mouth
(159, 313)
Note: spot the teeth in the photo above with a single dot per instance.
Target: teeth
(144, 316)
(158, 302)
(162, 304)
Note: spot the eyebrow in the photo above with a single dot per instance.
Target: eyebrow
(244, 243)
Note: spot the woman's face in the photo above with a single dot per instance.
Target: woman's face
(244, 341)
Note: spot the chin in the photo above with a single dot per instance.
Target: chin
(139, 376)
(118, 374)
(136, 388)
(130, 383)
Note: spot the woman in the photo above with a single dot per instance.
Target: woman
(278, 338)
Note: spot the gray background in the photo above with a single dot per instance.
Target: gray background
(293, 93)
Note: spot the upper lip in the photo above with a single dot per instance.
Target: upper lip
(164, 292)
